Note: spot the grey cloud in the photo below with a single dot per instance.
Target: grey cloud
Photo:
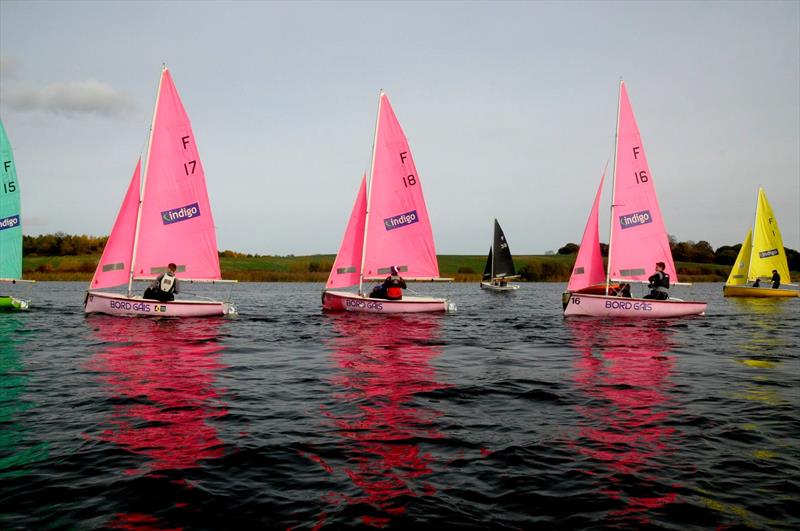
(70, 98)
(9, 68)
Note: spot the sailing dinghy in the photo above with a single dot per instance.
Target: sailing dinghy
(10, 226)
(499, 267)
(389, 226)
(165, 217)
(761, 253)
(638, 238)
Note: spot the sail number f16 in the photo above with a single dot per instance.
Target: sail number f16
(641, 176)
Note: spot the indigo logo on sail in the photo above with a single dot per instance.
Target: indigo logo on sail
(180, 214)
(767, 254)
(637, 218)
(9, 223)
(402, 220)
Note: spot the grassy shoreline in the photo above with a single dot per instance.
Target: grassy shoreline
(315, 268)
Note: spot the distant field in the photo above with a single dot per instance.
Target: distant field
(315, 268)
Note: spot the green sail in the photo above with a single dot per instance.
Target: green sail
(10, 218)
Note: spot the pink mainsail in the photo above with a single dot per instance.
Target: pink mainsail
(588, 270)
(638, 237)
(399, 230)
(176, 223)
(346, 268)
(115, 264)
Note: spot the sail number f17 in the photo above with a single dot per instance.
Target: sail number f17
(410, 179)
(188, 167)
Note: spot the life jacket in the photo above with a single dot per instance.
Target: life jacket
(660, 281)
(393, 289)
(167, 283)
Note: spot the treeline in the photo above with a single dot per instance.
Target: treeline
(698, 252)
(61, 244)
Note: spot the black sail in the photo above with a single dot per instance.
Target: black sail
(503, 263)
(487, 271)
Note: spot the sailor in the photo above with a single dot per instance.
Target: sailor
(164, 287)
(659, 283)
(776, 279)
(624, 290)
(394, 285)
(757, 283)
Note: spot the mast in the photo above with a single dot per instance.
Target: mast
(144, 182)
(613, 189)
(369, 195)
(753, 237)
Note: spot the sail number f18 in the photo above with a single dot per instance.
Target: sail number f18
(410, 179)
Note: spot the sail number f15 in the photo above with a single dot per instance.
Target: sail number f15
(9, 187)
(410, 179)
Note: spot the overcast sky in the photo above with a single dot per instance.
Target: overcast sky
(509, 109)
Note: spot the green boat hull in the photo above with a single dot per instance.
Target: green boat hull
(12, 304)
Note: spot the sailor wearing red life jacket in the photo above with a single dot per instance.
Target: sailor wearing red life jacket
(394, 285)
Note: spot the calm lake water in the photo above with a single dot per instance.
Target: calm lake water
(504, 415)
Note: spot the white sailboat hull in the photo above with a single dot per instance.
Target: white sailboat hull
(493, 287)
(353, 302)
(609, 306)
(118, 304)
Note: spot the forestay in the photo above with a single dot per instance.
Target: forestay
(741, 268)
(347, 267)
(114, 268)
(588, 269)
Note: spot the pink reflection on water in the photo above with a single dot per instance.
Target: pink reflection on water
(383, 363)
(623, 375)
(164, 376)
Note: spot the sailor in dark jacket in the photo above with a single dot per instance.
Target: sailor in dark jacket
(776, 279)
(659, 283)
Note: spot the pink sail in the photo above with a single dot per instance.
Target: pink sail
(588, 269)
(638, 237)
(346, 268)
(399, 229)
(115, 264)
(176, 222)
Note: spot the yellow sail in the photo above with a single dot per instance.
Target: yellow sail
(739, 272)
(768, 252)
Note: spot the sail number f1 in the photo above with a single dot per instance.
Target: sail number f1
(410, 179)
